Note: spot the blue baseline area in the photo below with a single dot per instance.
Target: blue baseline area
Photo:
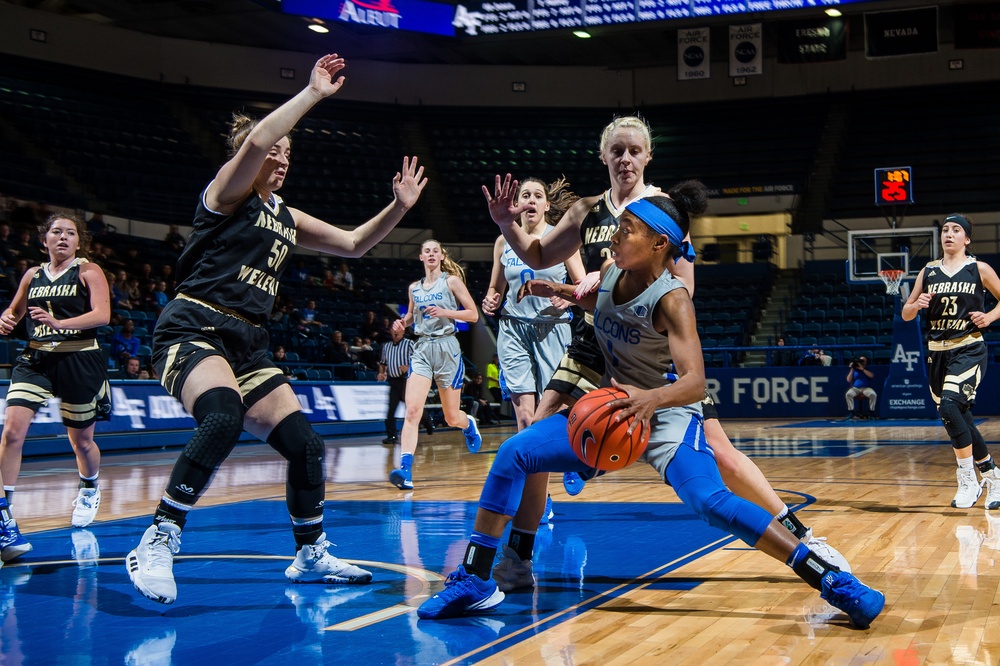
(235, 606)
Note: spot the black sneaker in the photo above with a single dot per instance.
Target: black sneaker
(390, 440)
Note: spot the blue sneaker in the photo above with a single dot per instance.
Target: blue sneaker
(401, 478)
(472, 438)
(861, 603)
(573, 483)
(12, 543)
(463, 594)
(549, 513)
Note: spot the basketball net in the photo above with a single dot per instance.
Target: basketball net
(892, 278)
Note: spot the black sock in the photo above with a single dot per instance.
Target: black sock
(986, 465)
(809, 566)
(522, 542)
(88, 483)
(166, 513)
(307, 535)
(793, 524)
(479, 560)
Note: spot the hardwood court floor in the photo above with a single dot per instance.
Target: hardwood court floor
(881, 495)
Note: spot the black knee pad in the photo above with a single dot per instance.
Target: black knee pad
(952, 416)
(299, 444)
(219, 413)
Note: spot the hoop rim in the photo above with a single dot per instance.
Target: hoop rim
(891, 273)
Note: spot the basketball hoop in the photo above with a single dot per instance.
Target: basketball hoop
(892, 278)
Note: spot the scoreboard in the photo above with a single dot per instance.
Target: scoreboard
(493, 17)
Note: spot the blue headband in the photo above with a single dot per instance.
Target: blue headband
(658, 220)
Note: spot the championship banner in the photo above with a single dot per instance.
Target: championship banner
(693, 54)
(977, 26)
(745, 50)
(900, 33)
(814, 40)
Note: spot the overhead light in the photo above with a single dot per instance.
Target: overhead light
(833, 12)
(582, 34)
(321, 29)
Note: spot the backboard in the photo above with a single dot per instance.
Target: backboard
(871, 251)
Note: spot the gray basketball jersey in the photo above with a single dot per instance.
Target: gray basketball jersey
(531, 308)
(634, 351)
(438, 294)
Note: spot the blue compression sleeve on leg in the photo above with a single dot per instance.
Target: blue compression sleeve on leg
(696, 480)
(542, 447)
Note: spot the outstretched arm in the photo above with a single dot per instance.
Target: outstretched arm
(236, 177)
(556, 246)
(316, 234)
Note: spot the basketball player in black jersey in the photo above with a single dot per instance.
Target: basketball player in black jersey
(626, 149)
(951, 289)
(210, 348)
(66, 300)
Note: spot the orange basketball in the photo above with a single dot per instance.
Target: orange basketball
(597, 439)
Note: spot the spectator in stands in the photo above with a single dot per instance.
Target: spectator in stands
(299, 273)
(65, 305)
(369, 328)
(146, 271)
(209, 342)
(859, 377)
(493, 378)
(343, 278)
(362, 351)
(167, 273)
(132, 369)
(474, 399)
(159, 298)
(134, 292)
(96, 226)
(281, 360)
(782, 357)
(329, 280)
(26, 248)
(20, 267)
(124, 345)
(533, 331)
(337, 351)
(5, 243)
(305, 319)
(393, 367)
(436, 302)
(174, 240)
(815, 357)
(384, 331)
(119, 300)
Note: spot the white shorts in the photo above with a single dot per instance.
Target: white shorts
(439, 359)
(530, 353)
(669, 427)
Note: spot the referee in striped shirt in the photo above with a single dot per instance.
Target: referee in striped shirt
(394, 366)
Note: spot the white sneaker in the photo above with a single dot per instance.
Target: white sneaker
(991, 480)
(154, 651)
(151, 564)
(315, 564)
(86, 550)
(819, 546)
(969, 489)
(512, 572)
(85, 506)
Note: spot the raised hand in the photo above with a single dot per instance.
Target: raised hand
(408, 183)
(503, 206)
(324, 79)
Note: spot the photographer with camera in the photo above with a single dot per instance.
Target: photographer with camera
(860, 379)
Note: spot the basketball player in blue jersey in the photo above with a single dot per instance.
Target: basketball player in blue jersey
(533, 332)
(626, 149)
(951, 289)
(433, 310)
(66, 300)
(639, 295)
(210, 346)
